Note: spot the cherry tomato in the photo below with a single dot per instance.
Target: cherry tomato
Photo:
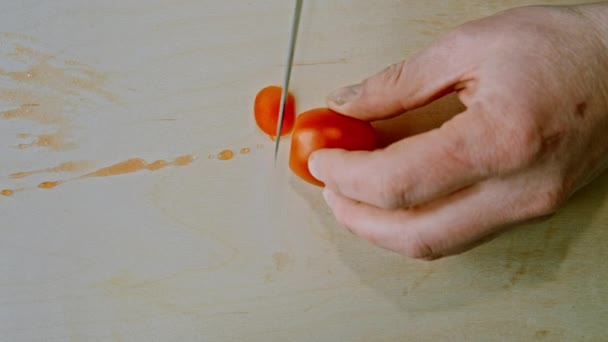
(323, 128)
(266, 110)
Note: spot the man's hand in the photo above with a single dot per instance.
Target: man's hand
(534, 81)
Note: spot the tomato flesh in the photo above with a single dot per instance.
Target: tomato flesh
(323, 128)
(266, 110)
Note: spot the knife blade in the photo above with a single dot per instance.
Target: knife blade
(289, 64)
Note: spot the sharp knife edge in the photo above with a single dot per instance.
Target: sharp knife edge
(289, 64)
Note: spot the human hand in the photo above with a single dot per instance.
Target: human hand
(534, 81)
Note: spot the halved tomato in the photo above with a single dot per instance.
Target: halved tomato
(266, 110)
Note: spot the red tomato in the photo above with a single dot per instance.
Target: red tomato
(324, 128)
(266, 110)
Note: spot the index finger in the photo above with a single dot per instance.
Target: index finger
(409, 172)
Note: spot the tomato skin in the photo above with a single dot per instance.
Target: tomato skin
(323, 128)
(266, 110)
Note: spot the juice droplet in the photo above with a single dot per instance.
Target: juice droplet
(138, 164)
(225, 155)
(72, 166)
(56, 142)
(20, 174)
(211, 156)
(157, 165)
(245, 150)
(183, 160)
(128, 166)
(260, 146)
(28, 111)
(48, 185)
(47, 74)
(6, 192)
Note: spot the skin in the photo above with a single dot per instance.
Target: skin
(534, 81)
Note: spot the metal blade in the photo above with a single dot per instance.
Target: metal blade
(292, 43)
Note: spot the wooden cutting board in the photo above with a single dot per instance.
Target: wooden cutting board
(145, 205)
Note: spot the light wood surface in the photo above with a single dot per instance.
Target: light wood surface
(222, 250)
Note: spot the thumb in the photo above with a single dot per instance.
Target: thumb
(409, 84)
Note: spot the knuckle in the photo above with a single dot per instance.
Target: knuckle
(512, 138)
(550, 202)
(413, 246)
(466, 34)
(373, 89)
(392, 75)
(456, 149)
(365, 87)
(394, 192)
(463, 151)
(529, 139)
(394, 187)
(354, 184)
(551, 199)
(519, 146)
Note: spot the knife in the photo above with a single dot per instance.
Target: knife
(292, 43)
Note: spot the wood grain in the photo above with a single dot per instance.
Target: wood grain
(223, 250)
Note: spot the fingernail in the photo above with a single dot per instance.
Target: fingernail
(312, 167)
(344, 95)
